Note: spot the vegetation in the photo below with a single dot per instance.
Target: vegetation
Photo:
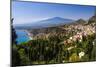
(15, 55)
(56, 48)
(52, 51)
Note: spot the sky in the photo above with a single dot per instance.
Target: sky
(28, 12)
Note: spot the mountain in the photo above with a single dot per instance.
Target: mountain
(55, 21)
(61, 30)
(92, 19)
(80, 21)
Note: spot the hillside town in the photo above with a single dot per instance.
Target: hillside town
(81, 30)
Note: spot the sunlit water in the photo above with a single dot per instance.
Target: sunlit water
(22, 36)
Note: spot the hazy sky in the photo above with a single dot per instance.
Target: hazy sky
(27, 12)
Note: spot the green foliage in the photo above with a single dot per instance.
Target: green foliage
(24, 59)
(55, 48)
(51, 50)
(15, 56)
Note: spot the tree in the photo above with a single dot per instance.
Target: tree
(14, 36)
(15, 54)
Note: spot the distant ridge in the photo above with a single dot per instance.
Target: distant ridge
(92, 19)
(55, 21)
(80, 21)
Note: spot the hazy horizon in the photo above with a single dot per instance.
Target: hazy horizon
(25, 12)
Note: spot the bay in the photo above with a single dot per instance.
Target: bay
(22, 36)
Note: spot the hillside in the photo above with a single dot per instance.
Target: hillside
(60, 44)
(73, 28)
(92, 19)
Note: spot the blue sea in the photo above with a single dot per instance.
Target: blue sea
(22, 36)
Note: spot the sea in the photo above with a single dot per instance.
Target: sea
(22, 36)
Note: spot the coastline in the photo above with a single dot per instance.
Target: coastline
(23, 36)
(29, 34)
